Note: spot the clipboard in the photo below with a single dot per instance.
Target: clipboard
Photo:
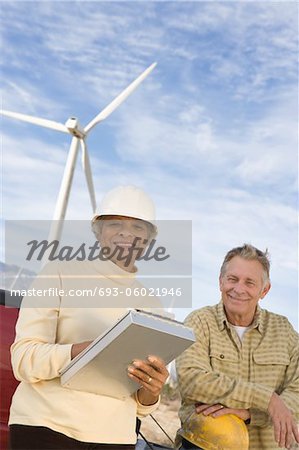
(102, 367)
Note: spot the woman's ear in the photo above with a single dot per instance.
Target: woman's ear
(97, 229)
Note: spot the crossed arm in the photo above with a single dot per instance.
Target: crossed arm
(285, 427)
(221, 394)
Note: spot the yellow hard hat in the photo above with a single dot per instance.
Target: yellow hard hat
(227, 432)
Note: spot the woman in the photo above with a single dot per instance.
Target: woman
(45, 415)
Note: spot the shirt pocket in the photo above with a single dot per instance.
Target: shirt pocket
(224, 362)
(270, 368)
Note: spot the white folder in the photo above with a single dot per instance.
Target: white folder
(102, 367)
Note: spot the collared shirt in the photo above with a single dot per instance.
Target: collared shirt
(219, 368)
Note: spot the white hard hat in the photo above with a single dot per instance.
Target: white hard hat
(129, 201)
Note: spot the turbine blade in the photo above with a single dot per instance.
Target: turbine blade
(119, 99)
(36, 120)
(88, 174)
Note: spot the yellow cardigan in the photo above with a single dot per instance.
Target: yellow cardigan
(47, 327)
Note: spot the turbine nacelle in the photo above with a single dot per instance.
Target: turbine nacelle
(72, 124)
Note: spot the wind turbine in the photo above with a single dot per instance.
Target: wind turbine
(79, 135)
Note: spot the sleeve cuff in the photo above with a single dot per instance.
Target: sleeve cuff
(259, 418)
(144, 410)
(261, 398)
(64, 355)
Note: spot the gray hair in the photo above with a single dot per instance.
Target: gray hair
(251, 253)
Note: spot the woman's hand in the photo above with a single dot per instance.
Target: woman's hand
(151, 375)
(78, 348)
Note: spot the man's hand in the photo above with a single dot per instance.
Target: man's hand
(285, 428)
(218, 410)
(151, 375)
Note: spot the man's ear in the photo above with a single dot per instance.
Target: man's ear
(266, 289)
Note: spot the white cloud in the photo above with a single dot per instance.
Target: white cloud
(251, 44)
(262, 150)
(28, 98)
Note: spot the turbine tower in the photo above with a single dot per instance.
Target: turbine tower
(79, 135)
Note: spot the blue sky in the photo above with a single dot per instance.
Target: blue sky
(211, 134)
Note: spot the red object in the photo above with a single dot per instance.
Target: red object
(8, 383)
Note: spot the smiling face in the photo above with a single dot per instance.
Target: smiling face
(242, 285)
(124, 237)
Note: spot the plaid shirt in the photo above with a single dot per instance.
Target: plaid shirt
(219, 368)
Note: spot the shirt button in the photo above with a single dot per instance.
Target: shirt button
(222, 356)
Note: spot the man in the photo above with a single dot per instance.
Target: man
(245, 359)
